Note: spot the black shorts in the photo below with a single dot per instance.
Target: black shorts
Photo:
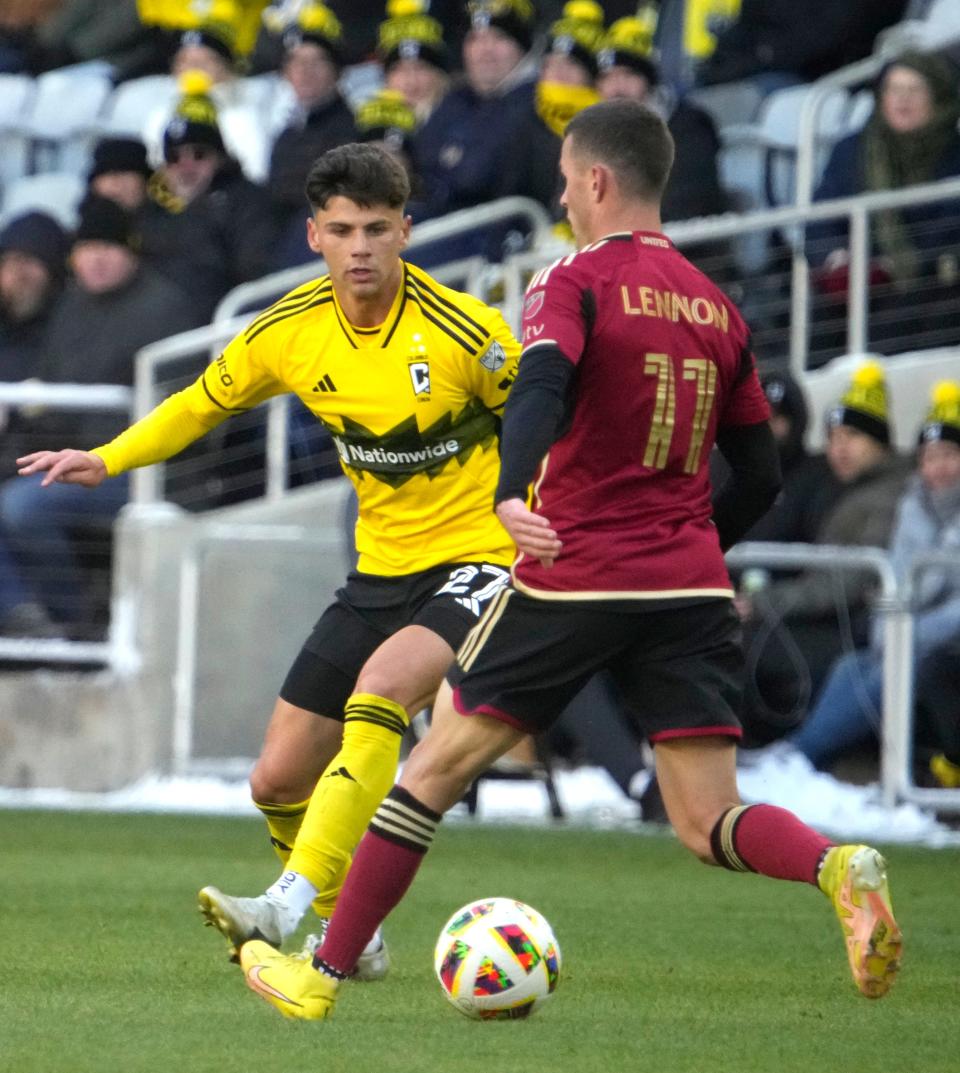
(680, 669)
(446, 599)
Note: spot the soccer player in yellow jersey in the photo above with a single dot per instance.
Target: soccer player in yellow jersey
(410, 378)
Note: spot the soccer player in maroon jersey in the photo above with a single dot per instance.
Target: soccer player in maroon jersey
(634, 365)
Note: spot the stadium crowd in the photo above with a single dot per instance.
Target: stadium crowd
(208, 194)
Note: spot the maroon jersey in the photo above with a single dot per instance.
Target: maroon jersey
(662, 362)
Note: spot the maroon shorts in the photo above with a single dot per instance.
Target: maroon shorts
(679, 668)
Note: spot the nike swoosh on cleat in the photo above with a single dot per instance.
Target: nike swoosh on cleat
(256, 983)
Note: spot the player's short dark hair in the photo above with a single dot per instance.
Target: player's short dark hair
(630, 140)
(366, 174)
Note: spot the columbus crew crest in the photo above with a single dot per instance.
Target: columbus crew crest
(420, 377)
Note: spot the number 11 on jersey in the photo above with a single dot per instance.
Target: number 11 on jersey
(704, 375)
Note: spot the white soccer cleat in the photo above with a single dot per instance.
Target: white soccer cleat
(240, 920)
(374, 963)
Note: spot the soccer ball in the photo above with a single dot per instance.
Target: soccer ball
(497, 959)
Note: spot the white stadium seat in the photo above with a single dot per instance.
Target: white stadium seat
(131, 102)
(16, 97)
(56, 193)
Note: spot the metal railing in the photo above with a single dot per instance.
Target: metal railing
(113, 398)
(900, 737)
(897, 637)
(856, 210)
(894, 603)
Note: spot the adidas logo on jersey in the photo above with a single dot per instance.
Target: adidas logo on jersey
(325, 383)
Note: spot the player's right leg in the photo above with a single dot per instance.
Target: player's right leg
(454, 751)
(687, 701)
(697, 780)
(298, 746)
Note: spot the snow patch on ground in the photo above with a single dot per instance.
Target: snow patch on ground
(588, 795)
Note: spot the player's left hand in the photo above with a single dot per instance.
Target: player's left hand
(530, 532)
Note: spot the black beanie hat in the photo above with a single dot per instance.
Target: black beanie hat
(37, 235)
(103, 220)
(515, 18)
(786, 399)
(216, 36)
(119, 154)
(317, 25)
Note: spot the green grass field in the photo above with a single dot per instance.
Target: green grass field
(668, 966)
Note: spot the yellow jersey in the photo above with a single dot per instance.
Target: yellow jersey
(413, 408)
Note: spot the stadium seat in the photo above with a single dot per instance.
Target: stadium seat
(61, 122)
(859, 111)
(733, 103)
(66, 102)
(16, 97)
(360, 81)
(131, 102)
(56, 193)
(758, 159)
(273, 98)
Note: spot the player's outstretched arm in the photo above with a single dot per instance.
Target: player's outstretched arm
(64, 467)
(530, 532)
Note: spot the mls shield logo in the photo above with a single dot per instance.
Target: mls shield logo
(493, 357)
(533, 304)
(420, 377)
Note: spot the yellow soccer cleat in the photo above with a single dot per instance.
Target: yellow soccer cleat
(854, 878)
(945, 771)
(288, 981)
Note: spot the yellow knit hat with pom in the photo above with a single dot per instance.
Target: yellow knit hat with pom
(386, 117)
(943, 418)
(194, 120)
(409, 33)
(578, 32)
(629, 43)
(864, 404)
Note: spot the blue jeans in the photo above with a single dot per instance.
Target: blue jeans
(38, 550)
(847, 711)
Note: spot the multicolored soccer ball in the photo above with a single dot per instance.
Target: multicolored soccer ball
(497, 959)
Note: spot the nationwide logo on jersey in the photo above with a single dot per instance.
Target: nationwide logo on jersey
(493, 357)
(533, 304)
(405, 450)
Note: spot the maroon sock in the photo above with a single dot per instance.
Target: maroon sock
(383, 868)
(768, 840)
